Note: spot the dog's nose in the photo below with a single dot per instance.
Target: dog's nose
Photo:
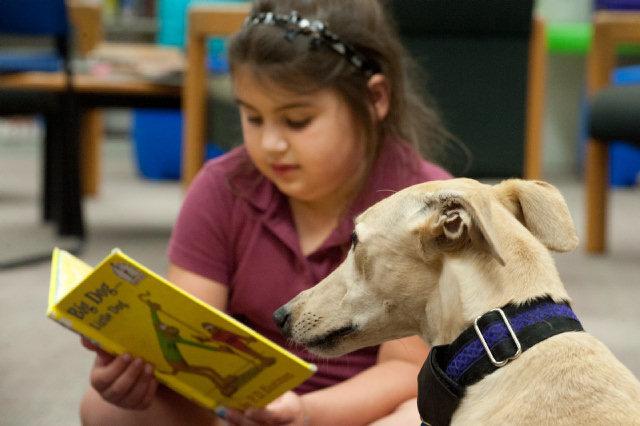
(282, 318)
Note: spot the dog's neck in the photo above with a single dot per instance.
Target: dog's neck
(473, 283)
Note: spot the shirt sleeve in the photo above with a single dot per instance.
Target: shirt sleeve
(200, 240)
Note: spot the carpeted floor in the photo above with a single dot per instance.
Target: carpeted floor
(43, 368)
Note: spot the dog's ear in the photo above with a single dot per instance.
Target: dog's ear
(541, 208)
(459, 220)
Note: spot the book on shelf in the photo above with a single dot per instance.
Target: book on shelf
(197, 350)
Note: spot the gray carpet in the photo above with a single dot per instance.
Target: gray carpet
(23, 244)
(43, 368)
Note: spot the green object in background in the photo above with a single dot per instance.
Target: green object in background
(574, 38)
(569, 38)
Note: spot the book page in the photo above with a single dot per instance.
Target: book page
(69, 272)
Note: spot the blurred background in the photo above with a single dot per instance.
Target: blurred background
(521, 106)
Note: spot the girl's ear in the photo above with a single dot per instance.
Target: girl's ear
(379, 95)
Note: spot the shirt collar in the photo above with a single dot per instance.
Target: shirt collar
(247, 182)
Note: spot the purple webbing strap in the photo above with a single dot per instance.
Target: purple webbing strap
(497, 331)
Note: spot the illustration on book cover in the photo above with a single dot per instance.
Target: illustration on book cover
(212, 339)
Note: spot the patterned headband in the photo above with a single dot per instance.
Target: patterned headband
(319, 34)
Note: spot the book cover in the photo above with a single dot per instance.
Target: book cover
(198, 351)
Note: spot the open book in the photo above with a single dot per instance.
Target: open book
(198, 351)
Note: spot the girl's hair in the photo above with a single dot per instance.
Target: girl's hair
(294, 62)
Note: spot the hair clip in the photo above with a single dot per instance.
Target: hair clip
(318, 34)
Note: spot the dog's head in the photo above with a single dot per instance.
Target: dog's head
(392, 276)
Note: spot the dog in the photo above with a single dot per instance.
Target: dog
(437, 260)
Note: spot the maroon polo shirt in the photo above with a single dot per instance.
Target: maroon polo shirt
(235, 227)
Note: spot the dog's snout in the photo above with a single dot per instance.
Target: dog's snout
(282, 318)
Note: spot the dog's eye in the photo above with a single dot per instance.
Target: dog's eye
(354, 240)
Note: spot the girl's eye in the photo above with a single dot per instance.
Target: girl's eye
(256, 121)
(298, 124)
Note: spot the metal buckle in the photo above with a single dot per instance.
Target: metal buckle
(511, 332)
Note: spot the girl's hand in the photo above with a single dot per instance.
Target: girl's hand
(122, 380)
(287, 410)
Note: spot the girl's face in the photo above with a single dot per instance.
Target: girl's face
(307, 145)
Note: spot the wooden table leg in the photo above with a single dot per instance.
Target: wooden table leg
(533, 149)
(91, 134)
(194, 109)
(597, 181)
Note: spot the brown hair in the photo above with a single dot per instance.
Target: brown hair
(365, 25)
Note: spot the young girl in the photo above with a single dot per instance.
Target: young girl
(330, 123)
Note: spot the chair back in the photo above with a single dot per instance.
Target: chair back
(475, 55)
(34, 17)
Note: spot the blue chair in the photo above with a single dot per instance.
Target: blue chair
(36, 20)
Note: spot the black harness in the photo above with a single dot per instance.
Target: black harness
(495, 338)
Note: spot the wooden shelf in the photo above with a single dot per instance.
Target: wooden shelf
(85, 84)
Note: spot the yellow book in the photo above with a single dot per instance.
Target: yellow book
(198, 351)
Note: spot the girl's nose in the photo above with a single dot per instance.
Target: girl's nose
(273, 141)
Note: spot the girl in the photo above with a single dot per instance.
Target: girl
(330, 124)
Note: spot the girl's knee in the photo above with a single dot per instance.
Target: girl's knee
(93, 409)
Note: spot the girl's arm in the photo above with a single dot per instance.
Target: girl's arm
(376, 392)
(385, 393)
(209, 291)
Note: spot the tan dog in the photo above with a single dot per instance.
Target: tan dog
(430, 259)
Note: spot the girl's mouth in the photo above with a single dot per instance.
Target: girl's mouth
(282, 169)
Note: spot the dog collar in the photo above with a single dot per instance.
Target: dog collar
(494, 339)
